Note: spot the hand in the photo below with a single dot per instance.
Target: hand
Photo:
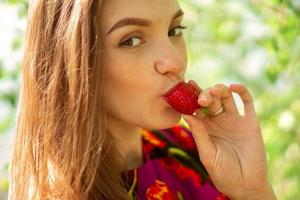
(230, 145)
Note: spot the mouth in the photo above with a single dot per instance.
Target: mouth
(172, 89)
(183, 98)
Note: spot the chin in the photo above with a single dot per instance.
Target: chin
(163, 119)
(169, 118)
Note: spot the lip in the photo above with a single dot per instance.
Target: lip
(171, 89)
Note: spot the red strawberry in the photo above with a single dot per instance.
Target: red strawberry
(183, 98)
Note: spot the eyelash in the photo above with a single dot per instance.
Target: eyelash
(180, 27)
(126, 46)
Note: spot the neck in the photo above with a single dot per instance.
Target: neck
(129, 143)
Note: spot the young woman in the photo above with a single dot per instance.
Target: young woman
(93, 123)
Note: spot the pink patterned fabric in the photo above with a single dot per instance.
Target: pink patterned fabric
(172, 169)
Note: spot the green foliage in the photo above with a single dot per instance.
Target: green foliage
(4, 184)
(2, 72)
(21, 4)
(256, 43)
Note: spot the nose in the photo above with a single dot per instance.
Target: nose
(170, 61)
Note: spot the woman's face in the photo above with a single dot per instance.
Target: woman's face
(145, 55)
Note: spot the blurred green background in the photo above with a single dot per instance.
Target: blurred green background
(253, 42)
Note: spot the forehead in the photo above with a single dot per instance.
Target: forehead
(154, 10)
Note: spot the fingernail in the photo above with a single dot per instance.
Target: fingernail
(202, 98)
(215, 90)
(191, 81)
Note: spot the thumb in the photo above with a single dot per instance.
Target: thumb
(206, 147)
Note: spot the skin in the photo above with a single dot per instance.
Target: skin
(143, 63)
(152, 62)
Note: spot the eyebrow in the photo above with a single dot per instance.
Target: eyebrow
(139, 21)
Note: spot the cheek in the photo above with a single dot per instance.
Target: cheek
(128, 70)
(128, 103)
(183, 52)
(125, 62)
(126, 90)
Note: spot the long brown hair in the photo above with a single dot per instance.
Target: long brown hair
(63, 149)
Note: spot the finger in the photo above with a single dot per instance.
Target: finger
(203, 142)
(206, 101)
(213, 103)
(215, 107)
(205, 98)
(200, 114)
(246, 97)
(225, 94)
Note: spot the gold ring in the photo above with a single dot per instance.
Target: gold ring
(220, 110)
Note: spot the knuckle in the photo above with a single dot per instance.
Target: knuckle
(220, 86)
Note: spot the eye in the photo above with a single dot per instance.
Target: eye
(177, 31)
(132, 42)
